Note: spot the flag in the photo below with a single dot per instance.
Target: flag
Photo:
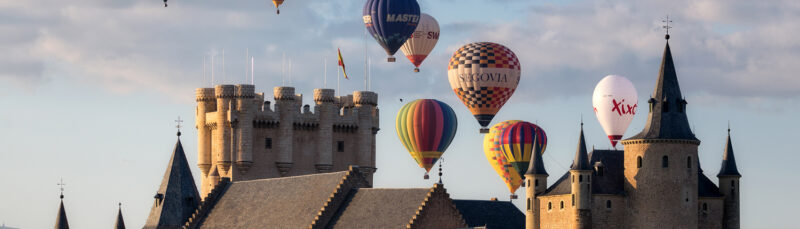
(341, 63)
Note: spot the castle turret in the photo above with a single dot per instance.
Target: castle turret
(729, 186)
(177, 197)
(222, 133)
(581, 177)
(536, 184)
(365, 103)
(327, 110)
(206, 102)
(61, 218)
(120, 223)
(287, 108)
(243, 126)
(659, 191)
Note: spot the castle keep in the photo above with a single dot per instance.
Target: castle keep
(243, 137)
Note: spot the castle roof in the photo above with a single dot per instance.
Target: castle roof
(611, 182)
(120, 223)
(728, 167)
(536, 165)
(490, 214)
(706, 187)
(177, 196)
(581, 161)
(61, 218)
(667, 117)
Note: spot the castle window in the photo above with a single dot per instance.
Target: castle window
(580, 178)
(549, 205)
(573, 178)
(682, 105)
(529, 204)
(705, 207)
(665, 107)
(562, 204)
(665, 161)
(536, 182)
(268, 143)
(573, 199)
(652, 103)
(639, 162)
(340, 146)
(608, 204)
(599, 171)
(689, 162)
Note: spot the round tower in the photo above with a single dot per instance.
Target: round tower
(222, 134)
(365, 103)
(729, 177)
(206, 102)
(287, 108)
(581, 186)
(245, 107)
(327, 111)
(535, 184)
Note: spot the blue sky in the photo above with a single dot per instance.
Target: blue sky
(89, 89)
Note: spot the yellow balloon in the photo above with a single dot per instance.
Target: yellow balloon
(491, 149)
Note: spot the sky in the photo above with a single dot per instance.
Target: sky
(90, 89)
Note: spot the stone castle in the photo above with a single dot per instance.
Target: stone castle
(656, 182)
(238, 129)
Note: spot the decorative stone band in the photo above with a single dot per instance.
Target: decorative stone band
(284, 93)
(247, 91)
(205, 94)
(224, 91)
(324, 95)
(647, 141)
(365, 98)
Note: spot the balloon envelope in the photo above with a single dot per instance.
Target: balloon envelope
(615, 102)
(277, 4)
(391, 22)
(426, 127)
(484, 75)
(495, 157)
(422, 41)
(518, 141)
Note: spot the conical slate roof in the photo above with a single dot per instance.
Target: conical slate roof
(728, 167)
(177, 197)
(581, 161)
(667, 118)
(536, 165)
(61, 219)
(120, 224)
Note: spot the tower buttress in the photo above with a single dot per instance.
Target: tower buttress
(206, 102)
(287, 108)
(536, 184)
(729, 177)
(245, 108)
(365, 103)
(324, 98)
(223, 133)
(581, 186)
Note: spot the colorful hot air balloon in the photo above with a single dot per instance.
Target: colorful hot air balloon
(422, 41)
(391, 22)
(615, 101)
(277, 4)
(518, 141)
(491, 148)
(426, 127)
(484, 75)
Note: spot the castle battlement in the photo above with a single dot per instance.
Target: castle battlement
(238, 127)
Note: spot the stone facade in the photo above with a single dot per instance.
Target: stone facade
(244, 137)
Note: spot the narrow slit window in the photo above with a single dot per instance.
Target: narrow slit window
(689, 162)
(562, 204)
(665, 161)
(639, 162)
(340, 146)
(268, 143)
(608, 204)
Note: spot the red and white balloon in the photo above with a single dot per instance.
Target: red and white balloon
(615, 102)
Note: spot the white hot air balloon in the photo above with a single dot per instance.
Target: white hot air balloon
(615, 102)
(422, 41)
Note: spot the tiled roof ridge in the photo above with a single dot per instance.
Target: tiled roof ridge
(437, 189)
(208, 203)
(351, 179)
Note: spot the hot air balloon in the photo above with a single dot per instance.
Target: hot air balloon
(615, 101)
(426, 127)
(277, 4)
(391, 22)
(484, 75)
(422, 41)
(498, 161)
(518, 141)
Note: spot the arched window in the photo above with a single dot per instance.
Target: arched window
(536, 182)
(580, 178)
(705, 207)
(562, 204)
(549, 205)
(639, 162)
(665, 161)
(608, 204)
(529, 204)
(689, 162)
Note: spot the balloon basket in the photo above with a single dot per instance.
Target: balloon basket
(278, 12)
(426, 176)
(416, 69)
(484, 130)
(514, 196)
(391, 59)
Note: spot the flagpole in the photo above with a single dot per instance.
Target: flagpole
(224, 76)
(325, 72)
(337, 82)
(365, 59)
(283, 65)
(204, 71)
(212, 70)
(252, 71)
(246, 57)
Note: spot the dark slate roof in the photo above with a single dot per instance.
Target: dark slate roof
(61, 218)
(379, 208)
(177, 192)
(667, 118)
(581, 161)
(120, 223)
(536, 165)
(292, 201)
(491, 214)
(612, 181)
(728, 167)
(705, 187)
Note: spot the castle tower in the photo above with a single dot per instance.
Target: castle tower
(120, 223)
(61, 218)
(660, 192)
(177, 196)
(536, 183)
(324, 99)
(729, 186)
(222, 132)
(242, 125)
(286, 107)
(206, 102)
(365, 104)
(581, 177)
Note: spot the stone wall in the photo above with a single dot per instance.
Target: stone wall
(710, 216)
(608, 217)
(556, 217)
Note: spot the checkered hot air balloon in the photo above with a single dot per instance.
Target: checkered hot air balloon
(518, 141)
(484, 75)
(426, 127)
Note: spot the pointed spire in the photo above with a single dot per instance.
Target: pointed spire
(536, 165)
(61, 219)
(728, 167)
(667, 118)
(581, 161)
(177, 197)
(120, 224)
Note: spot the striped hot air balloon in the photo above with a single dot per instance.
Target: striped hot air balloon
(518, 141)
(484, 75)
(498, 161)
(426, 127)
(422, 41)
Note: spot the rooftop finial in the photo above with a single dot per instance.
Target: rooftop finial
(178, 121)
(441, 160)
(666, 26)
(61, 186)
(581, 121)
(729, 127)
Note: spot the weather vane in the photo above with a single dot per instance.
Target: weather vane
(61, 186)
(178, 121)
(666, 25)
